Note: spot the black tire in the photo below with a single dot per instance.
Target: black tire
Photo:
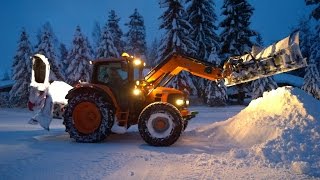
(171, 131)
(106, 112)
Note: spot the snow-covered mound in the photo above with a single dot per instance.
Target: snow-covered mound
(283, 126)
(58, 90)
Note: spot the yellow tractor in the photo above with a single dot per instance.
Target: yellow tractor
(119, 92)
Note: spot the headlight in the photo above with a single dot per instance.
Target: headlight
(136, 91)
(137, 62)
(187, 102)
(179, 102)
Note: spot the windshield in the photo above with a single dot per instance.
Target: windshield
(112, 73)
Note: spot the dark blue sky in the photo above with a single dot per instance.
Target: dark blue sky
(272, 18)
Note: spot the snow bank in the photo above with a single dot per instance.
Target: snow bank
(58, 90)
(283, 127)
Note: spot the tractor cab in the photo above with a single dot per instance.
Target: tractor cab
(120, 76)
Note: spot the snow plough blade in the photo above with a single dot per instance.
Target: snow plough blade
(282, 56)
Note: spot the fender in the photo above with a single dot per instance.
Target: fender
(104, 90)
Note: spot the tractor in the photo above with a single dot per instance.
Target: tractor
(120, 91)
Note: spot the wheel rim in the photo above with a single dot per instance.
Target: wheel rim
(86, 117)
(160, 125)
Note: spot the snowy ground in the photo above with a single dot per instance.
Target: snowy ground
(29, 152)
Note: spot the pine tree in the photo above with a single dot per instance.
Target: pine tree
(96, 33)
(316, 11)
(136, 36)
(153, 53)
(113, 25)
(106, 48)
(215, 92)
(236, 32)
(176, 40)
(261, 85)
(63, 54)
(79, 56)
(202, 17)
(21, 70)
(311, 82)
(46, 47)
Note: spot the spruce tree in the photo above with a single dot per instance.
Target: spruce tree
(215, 92)
(21, 72)
(202, 17)
(153, 53)
(79, 56)
(236, 32)
(311, 82)
(113, 25)
(176, 40)
(96, 33)
(63, 54)
(262, 85)
(46, 48)
(136, 36)
(316, 11)
(106, 48)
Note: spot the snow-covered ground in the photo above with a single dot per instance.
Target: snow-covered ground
(274, 137)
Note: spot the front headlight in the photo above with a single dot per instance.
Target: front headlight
(136, 91)
(179, 102)
(187, 102)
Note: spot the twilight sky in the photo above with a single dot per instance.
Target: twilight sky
(272, 18)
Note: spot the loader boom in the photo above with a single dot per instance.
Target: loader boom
(282, 56)
(175, 63)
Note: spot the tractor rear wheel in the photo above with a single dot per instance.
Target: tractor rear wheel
(160, 124)
(88, 117)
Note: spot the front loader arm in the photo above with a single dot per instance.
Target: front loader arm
(176, 63)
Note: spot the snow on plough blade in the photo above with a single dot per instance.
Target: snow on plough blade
(282, 56)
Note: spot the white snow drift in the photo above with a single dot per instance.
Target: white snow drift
(282, 127)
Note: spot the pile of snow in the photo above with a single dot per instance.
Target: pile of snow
(282, 127)
(58, 90)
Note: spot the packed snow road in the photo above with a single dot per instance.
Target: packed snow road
(29, 152)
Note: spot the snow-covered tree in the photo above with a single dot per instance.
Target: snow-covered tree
(47, 48)
(106, 48)
(236, 32)
(176, 39)
(316, 11)
(176, 30)
(136, 36)
(311, 82)
(153, 53)
(113, 25)
(21, 72)
(79, 56)
(63, 54)
(96, 33)
(202, 17)
(215, 92)
(53, 38)
(261, 85)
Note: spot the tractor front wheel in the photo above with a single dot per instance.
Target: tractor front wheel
(160, 124)
(88, 117)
